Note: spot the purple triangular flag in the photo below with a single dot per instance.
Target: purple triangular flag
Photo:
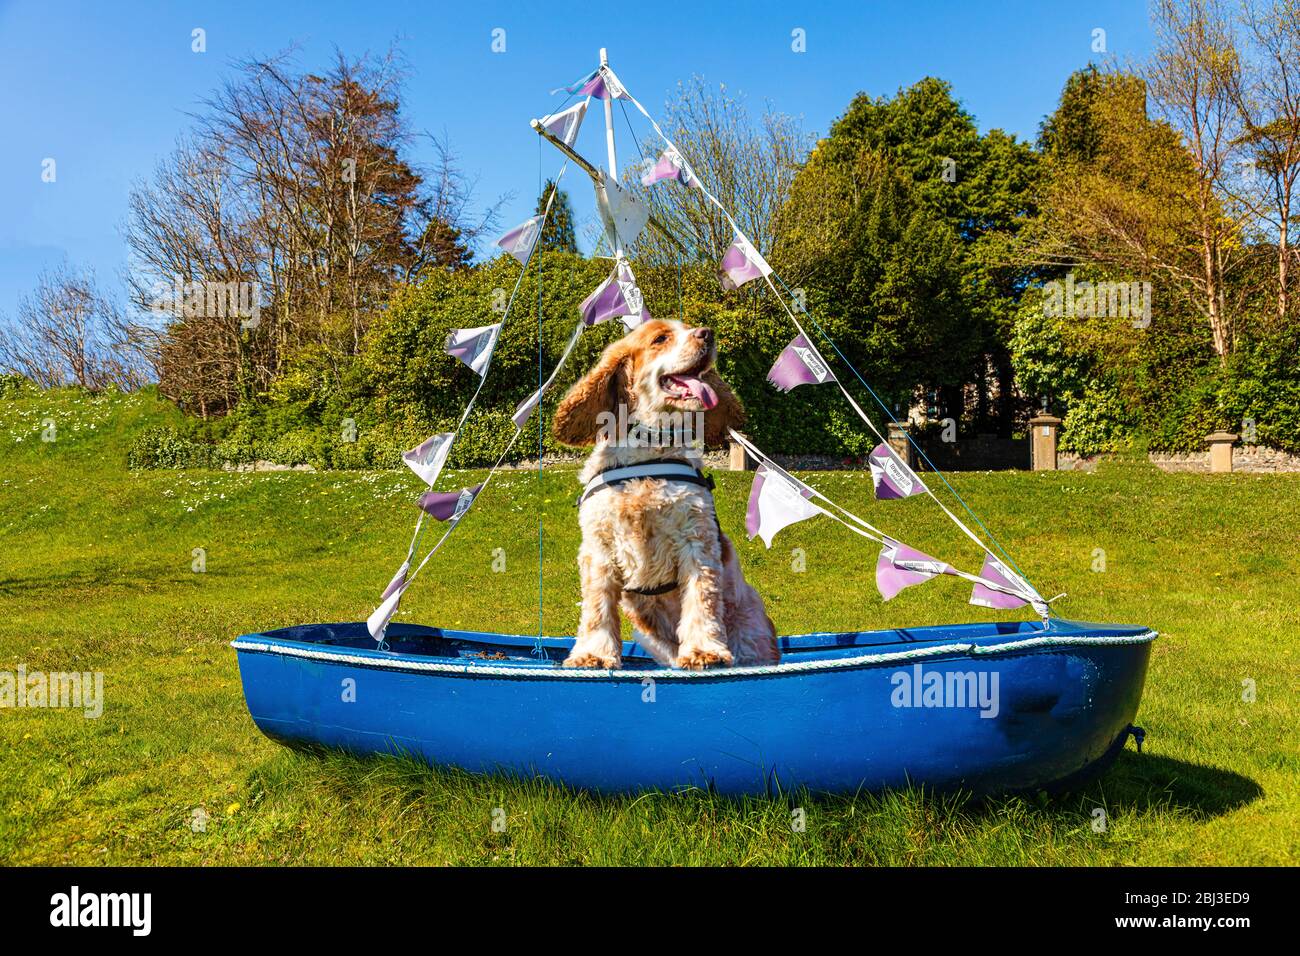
(799, 364)
(670, 165)
(998, 573)
(398, 581)
(617, 296)
(891, 476)
(599, 83)
(474, 346)
(520, 240)
(776, 502)
(901, 567)
(741, 263)
(448, 505)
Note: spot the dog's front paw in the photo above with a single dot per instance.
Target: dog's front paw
(587, 659)
(704, 656)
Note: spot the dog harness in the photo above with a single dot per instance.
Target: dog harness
(665, 469)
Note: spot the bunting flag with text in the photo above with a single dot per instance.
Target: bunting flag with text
(742, 263)
(618, 296)
(669, 165)
(901, 567)
(448, 505)
(998, 573)
(891, 475)
(799, 364)
(520, 240)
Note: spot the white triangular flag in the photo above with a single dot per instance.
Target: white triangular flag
(564, 125)
(520, 240)
(776, 502)
(624, 215)
(474, 346)
(524, 410)
(427, 458)
(377, 623)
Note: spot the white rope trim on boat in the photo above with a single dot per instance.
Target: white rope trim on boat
(668, 673)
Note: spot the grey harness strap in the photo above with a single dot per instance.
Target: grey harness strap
(673, 470)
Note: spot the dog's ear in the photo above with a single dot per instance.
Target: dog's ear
(577, 419)
(728, 413)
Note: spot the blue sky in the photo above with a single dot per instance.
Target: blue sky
(104, 88)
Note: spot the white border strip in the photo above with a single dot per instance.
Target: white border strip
(668, 673)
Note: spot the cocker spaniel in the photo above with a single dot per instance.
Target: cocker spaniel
(651, 542)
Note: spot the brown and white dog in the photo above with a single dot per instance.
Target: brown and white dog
(653, 534)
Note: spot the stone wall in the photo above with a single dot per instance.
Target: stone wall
(1251, 459)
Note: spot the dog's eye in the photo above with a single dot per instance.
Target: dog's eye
(660, 339)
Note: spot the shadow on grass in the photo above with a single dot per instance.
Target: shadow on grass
(1135, 783)
(1147, 781)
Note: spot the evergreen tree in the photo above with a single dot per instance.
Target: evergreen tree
(558, 234)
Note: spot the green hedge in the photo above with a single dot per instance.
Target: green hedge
(1112, 385)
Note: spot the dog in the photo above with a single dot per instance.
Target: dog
(653, 545)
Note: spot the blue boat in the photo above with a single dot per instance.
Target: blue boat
(982, 707)
(986, 708)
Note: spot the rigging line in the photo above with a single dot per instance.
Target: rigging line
(630, 131)
(546, 212)
(681, 306)
(884, 538)
(910, 439)
(861, 414)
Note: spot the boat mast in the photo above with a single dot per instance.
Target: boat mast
(609, 141)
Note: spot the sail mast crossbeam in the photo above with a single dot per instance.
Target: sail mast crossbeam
(599, 178)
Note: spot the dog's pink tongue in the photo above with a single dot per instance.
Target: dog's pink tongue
(698, 388)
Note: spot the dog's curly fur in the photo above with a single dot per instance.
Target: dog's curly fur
(650, 532)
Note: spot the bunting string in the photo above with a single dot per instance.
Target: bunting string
(866, 530)
(751, 269)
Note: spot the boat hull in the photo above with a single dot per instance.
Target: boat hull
(984, 708)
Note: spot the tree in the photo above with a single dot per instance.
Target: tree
(1267, 96)
(1123, 193)
(749, 166)
(69, 333)
(558, 234)
(969, 194)
(1191, 76)
(299, 186)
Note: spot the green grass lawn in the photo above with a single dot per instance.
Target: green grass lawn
(95, 575)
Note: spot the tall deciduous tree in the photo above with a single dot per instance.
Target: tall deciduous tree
(1191, 76)
(748, 164)
(1267, 96)
(300, 184)
(68, 332)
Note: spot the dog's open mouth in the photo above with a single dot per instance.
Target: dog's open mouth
(687, 385)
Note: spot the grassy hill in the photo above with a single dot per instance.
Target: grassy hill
(96, 574)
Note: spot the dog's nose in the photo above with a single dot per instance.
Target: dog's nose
(704, 335)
